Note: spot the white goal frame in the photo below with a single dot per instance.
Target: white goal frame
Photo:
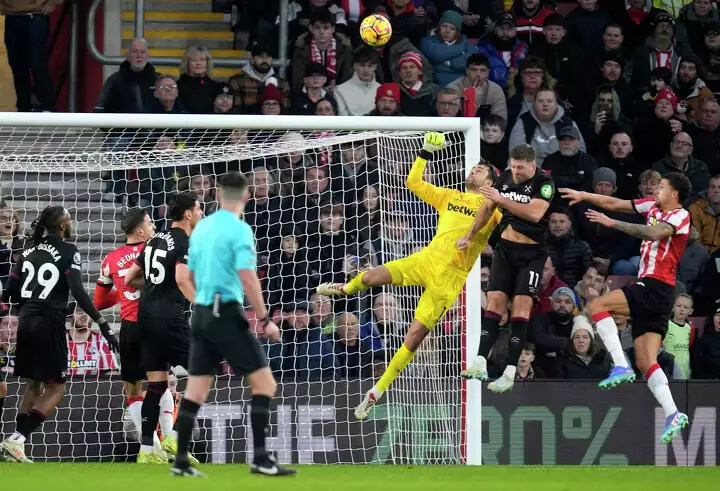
(472, 402)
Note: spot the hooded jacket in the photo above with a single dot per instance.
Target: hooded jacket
(707, 222)
(544, 138)
(693, 96)
(355, 97)
(695, 170)
(448, 60)
(498, 70)
(690, 29)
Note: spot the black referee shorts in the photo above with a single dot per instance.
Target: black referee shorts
(227, 337)
(517, 268)
(650, 302)
(131, 369)
(165, 343)
(42, 351)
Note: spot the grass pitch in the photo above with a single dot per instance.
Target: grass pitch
(131, 477)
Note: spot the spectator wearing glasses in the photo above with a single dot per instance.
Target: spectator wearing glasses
(196, 87)
(523, 88)
(489, 96)
(448, 103)
(691, 23)
(166, 93)
(679, 159)
(271, 101)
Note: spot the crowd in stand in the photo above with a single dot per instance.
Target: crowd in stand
(611, 94)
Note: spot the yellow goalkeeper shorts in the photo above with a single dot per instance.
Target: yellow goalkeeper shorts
(442, 283)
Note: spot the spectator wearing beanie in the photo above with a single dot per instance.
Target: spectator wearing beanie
(489, 97)
(659, 50)
(529, 18)
(387, 100)
(270, 101)
(258, 73)
(447, 49)
(417, 98)
(503, 44)
(550, 329)
(583, 359)
(655, 130)
(562, 57)
(690, 86)
(691, 24)
(357, 96)
(586, 25)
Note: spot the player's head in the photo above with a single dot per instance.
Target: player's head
(482, 174)
(234, 192)
(55, 220)
(185, 208)
(522, 162)
(137, 224)
(674, 189)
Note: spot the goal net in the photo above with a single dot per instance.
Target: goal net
(328, 200)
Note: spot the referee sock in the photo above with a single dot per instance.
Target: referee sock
(518, 338)
(488, 332)
(259, 420)
(355, 285)
(185, 421)
(400, 360)
(151, 410)
(608, 331)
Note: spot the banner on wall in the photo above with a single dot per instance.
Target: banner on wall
(539, 422)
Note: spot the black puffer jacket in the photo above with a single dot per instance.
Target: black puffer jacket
(572, 367)
(570, 256)
(128, 92)
(705, 358)
(197, 93)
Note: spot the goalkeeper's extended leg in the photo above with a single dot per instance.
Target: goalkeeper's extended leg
(377, 276)
(399, 361)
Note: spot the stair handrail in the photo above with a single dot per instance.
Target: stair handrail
(280, 62)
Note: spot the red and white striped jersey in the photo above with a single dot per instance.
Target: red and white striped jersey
(659, 259)
(113, 271)
(90, 357)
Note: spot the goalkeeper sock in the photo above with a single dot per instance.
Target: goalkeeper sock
(356, 285)
(135, 412)
(518, 338)
(31, 422)
(167, 414)
(400, 360)
(151, 411)
(259, 420)
(186, 419)
(488, 333)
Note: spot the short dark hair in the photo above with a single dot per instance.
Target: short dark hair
(715, 176)
(615, 26)
(562, 210)
(601, 268)
(492, 171)
(679, 183)
(532, 62)
(233, 184)
(477, 59)
(365, 54)
(524, 152)
(179, 204)
(322, 16)
(132, 219)
(529, 347)
(495, 120)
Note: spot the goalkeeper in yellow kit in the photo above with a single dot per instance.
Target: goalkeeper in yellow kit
(441, 268)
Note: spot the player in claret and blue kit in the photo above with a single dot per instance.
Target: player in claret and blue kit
(440, 268)
(649, 300)
(40, 282)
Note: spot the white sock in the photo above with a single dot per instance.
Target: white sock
(146, 448)
(17, 437)
(658, 383)
(510, 372)
(135, 412)
(167, 414)
(377, 393)
(607, 329)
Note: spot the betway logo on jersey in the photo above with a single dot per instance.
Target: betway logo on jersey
(520, 198)
(461, 209)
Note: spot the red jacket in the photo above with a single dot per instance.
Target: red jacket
(545, 302)
(529, 28)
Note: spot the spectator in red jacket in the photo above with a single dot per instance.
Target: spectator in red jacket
(529, 18)
(549, 282)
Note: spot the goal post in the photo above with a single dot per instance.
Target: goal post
(69, 159)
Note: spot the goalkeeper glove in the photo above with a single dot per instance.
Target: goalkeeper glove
(434, 142)
(108, 334)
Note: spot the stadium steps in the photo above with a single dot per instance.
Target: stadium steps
(178, 24)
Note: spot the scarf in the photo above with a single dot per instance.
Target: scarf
(353, 9)
(329, 59)
(636, 15)
(415, 88)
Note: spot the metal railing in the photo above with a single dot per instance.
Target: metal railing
(280, 62)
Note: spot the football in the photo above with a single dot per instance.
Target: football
(375, 30)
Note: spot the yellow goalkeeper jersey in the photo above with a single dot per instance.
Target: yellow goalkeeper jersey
(457, 212)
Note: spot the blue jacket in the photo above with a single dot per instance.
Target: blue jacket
(448, 60)
(498, 70)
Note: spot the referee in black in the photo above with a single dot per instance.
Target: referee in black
(222, 263)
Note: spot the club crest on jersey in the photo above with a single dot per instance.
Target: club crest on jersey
(547, 191)
(528, 188)
(76, 258)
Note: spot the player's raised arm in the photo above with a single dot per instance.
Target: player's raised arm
(659, 231)
(481, 219)
(605, 202)
(427, 192)
(533, 211)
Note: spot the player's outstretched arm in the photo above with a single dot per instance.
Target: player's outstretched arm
(605, 202)
(430, 194)
(481, 219)
(532, 212)
(645, 232)
(253, 290)
(74, 280)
